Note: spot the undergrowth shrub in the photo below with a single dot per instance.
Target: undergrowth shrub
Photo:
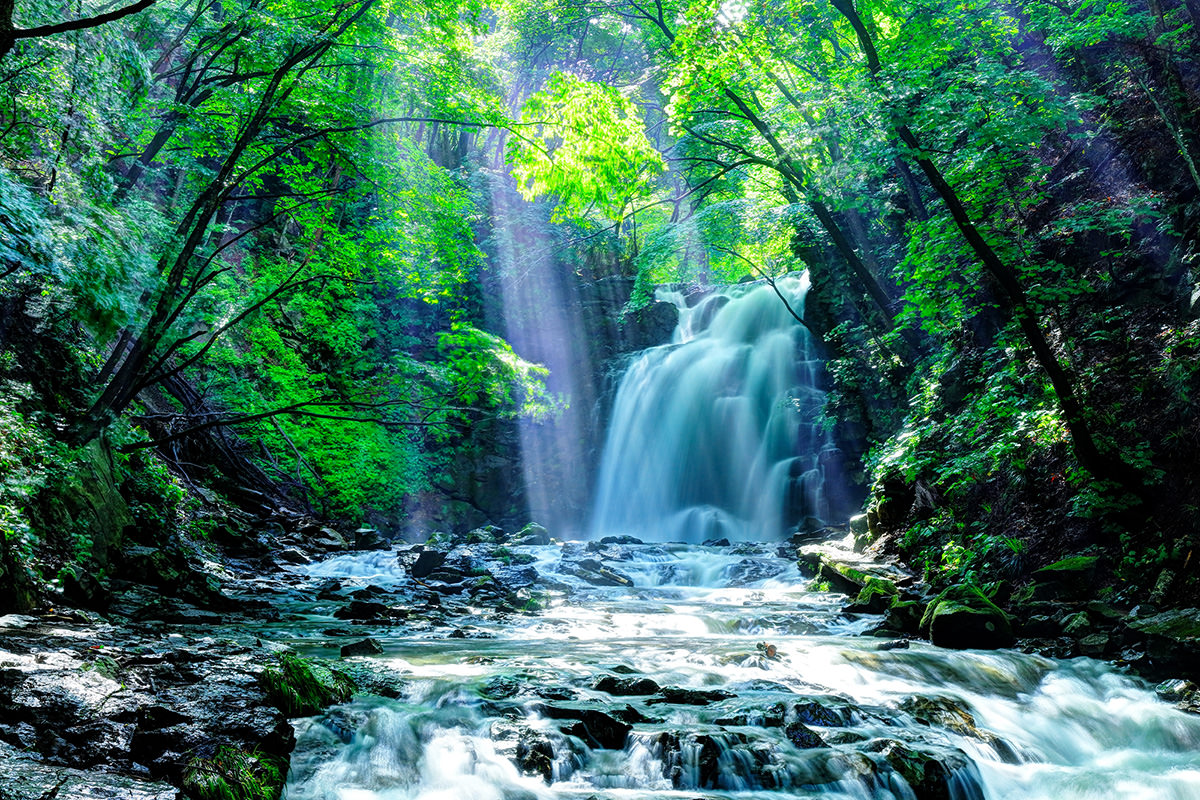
(233, 774)
(300, 687)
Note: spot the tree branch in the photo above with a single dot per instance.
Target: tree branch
(80, 24)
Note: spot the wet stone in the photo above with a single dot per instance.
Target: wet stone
(802, 736)
(752, 570)
(633, 687)
(690, 697)
(1094, 644)
(366, 647)
(535, 756)
(501, 688)
(812, 713)
(427, 561)
(361, 610)
(621, 540)
(598, 729)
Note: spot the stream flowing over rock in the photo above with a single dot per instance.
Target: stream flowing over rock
(699, 679)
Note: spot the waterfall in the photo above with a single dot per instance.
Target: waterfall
(717, 434)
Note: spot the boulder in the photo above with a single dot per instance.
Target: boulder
(813, 713)
(535, 755)
(513, 578)
(626, 540)
(931, 775)
(370, 539)
(752, 570)
(487, 534)
(531, 534)
(1172, 640)
(626, 687)
(594, 572)
(962, 617)
(876, 596)
(690, 697)
(292, 555)
(1077, 624)
(1183, 694)
(802, 736)
(1070, 578)
(598, 729)
(427, 561)
(366, 647)
(1094, 645)
(328, 539)
(842, 577)
(361, 610)
(904, 615)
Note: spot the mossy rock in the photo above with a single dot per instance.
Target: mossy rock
(1070, 578)
(1172, 641)
(843, 577)
(876, 596)
(532, 534)
(1074, 565)
(1078, 624)
(930, 775)
(1181, 625)
(962, 617)
(861, 532)
(300, 687)
(904, 615)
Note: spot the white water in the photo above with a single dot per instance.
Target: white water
(716, 435)
(1073, 730)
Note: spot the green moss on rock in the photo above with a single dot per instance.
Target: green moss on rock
(962, 617)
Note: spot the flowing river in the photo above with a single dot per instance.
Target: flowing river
(721, 673)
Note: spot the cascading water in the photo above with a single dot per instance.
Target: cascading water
(719, 673)
(716, 435)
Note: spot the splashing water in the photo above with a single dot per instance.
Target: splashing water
(716, 435)
(550, 706)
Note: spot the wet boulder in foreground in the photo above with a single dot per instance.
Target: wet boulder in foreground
(932, 775)
(598, 729)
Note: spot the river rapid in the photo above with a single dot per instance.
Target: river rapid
(721, 672)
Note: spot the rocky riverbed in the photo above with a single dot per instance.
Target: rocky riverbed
(513, 666)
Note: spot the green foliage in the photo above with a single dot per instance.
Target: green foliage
(588, 149)
(483, 369)
(300, 687)
(28, 460)
(232, 774)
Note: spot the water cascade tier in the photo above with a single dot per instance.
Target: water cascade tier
(700, 672)
(717, 434)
